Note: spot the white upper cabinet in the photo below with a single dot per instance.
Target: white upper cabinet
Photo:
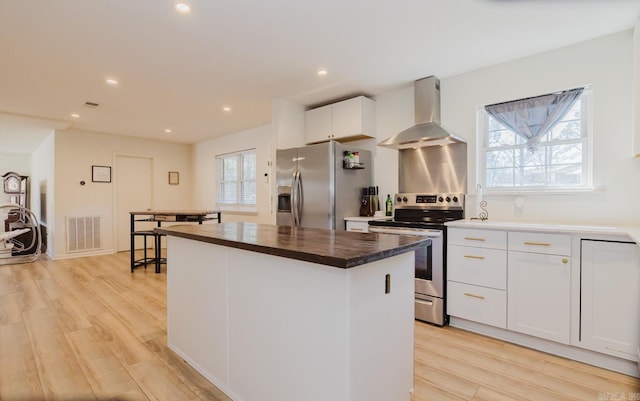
(350, 119)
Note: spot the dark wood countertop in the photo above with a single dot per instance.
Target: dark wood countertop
(332, 248)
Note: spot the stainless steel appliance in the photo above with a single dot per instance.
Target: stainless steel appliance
(425, 215)
(316, 187)
(427, 130)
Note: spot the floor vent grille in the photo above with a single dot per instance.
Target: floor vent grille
(83, 234)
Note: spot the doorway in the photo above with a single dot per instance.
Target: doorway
(134, 192)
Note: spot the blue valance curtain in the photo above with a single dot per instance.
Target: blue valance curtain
(531, 118)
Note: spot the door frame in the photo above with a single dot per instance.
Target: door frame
(114, 200)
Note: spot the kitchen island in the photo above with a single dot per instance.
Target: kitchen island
(280, 313)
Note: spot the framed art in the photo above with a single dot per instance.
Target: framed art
(101, 173)
(174, 178)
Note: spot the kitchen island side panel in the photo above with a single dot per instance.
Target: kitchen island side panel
(197, 306)
(293, 330)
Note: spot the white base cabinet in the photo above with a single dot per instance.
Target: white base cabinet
(477, 276)
(576, 295)
(539, 298)
(268, 328)
(610, 299)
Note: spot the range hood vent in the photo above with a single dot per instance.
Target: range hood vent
(427, 130)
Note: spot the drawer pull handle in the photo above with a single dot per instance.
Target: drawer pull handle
(565, 260)
(474, 239)
(537, 243)
(468, 294)
(355, 229)
(473, 257)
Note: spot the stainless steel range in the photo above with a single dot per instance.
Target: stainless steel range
(426, 215)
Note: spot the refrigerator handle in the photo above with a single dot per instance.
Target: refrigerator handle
(294, 198)
(300, 198)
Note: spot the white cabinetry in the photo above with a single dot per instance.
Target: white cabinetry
(610, 298)
(360, 224)
(350, 119)
(477, 276)
(539, 285)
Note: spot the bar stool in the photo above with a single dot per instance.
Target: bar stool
(159, 259)
(145, 259)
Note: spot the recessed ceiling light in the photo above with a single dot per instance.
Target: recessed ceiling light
(322, 72)
(168, 131)
(111, 81)
(183, 8)
(75, 115)
(226, 109)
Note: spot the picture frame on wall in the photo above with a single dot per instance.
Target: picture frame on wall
(174, 178)
(101, 173)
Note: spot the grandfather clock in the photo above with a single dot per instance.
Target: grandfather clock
(15, 185)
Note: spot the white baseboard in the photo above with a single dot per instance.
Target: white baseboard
(613, 363)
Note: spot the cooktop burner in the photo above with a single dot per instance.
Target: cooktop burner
(413, 210)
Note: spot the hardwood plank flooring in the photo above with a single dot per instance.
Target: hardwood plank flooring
(88, 329)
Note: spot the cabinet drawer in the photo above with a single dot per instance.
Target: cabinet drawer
(358, 226)
(479, 304)
(550, 244)
(478, 266)
(477, 238)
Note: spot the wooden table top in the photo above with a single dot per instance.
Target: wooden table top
(342, 249)
(175, 212)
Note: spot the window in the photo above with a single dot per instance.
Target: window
(237, 180)
(557, 159)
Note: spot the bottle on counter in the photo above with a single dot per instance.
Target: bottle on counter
(372, 201)
(389, 209)
(364, 202)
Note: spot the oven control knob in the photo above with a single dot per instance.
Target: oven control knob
(399, 199)
(440, 199)
(405, 199)
(448, 199)
(455, 199)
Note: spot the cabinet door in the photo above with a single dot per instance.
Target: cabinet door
(358, 226)
(317, 124)
(477, 266)
(538, 300)
(347, 118)
(478, 304)
(610, 299)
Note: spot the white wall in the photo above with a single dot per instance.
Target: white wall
(43, 189)
(18, 163)
(77, 151)
(606, 64)
(204, 166)
(394, 113)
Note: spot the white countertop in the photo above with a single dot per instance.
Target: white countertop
(367, 218)
(633, 232)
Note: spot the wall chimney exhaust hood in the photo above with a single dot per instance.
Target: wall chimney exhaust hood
(427, 130)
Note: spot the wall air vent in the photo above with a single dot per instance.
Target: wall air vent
(83, 234)
(91, 105)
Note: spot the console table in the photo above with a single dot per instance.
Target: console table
(160, 216)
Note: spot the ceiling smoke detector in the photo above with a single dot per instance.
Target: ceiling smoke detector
(91, 105)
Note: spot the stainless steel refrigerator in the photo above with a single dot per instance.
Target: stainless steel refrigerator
(317, 188)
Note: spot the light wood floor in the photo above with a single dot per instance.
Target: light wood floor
(88, 329)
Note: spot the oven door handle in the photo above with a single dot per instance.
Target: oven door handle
(422, 233)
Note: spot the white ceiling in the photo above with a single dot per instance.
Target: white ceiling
(178, 71)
